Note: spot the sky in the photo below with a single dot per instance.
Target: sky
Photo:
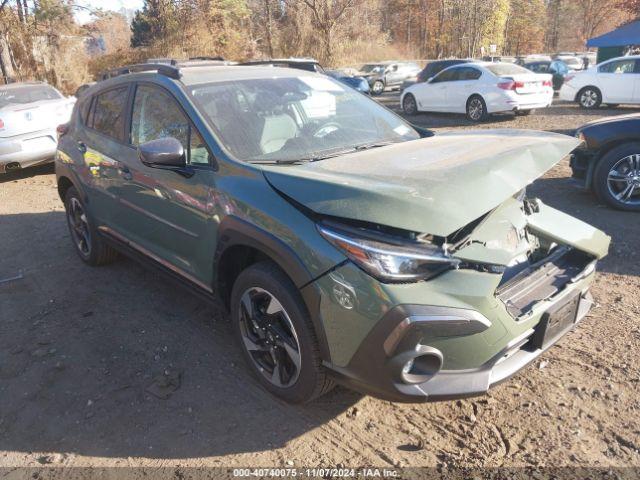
(83, 16)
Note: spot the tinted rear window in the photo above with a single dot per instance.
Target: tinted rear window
(501, 69)
(108, 112)
(23, 95)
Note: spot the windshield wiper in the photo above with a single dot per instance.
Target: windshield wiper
(357, 148)
(367, 146)
(316, 158)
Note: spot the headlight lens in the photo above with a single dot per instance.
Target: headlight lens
(394, 261)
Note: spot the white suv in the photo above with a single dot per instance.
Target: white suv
(612, 82)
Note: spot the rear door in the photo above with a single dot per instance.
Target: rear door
(165, 214)
(432, 96)
(617, 81)
(465, 84)
(101, 143)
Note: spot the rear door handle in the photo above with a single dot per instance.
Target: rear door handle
(82, 148)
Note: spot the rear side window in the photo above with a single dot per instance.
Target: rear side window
(107, 114)
(500, 69)
(156, 115)
(469, 73)
(27, 94)
(620, 66)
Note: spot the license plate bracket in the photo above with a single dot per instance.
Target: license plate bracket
(555, 322)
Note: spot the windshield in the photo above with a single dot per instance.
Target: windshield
(501, 69)
(295, 118)
(22, 95)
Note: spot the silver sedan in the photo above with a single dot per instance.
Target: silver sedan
(29, 115)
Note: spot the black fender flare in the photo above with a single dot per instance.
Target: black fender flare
(234, 231)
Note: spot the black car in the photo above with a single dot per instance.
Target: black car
(608, 161)
(557, 68)
(307, 64)
(434, 68)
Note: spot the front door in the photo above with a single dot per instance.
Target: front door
(165, 214)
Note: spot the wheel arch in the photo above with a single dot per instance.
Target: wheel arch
(474, 95)
(64, 184)
(241, 244)
(595, 87)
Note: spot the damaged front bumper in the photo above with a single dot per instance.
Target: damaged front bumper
(460, 333)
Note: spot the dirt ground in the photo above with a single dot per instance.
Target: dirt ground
(115, 366)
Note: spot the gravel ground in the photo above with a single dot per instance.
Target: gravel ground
(115, 366)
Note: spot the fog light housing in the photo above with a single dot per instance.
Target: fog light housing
(417, 366)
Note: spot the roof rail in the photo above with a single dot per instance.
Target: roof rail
(167, 69)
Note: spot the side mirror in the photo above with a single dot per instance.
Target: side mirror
(163, 153)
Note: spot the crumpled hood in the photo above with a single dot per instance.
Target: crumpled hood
(434, 185)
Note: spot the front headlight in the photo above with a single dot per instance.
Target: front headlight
(389, 259)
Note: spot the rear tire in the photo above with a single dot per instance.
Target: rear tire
(276, 335)
(616, 179)
(377, 88)
(409, 105)
(477, 109)
(589, 98)
(89, 246)
(524, 113)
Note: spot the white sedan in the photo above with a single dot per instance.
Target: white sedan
(29, 115)
(612, 82)
(480, 89)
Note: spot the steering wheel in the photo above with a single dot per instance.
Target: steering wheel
(326, 129)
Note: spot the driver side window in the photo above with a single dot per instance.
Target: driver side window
(157, 115)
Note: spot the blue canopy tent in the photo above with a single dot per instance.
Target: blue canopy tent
(614, 43)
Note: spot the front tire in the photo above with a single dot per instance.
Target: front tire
(590, 98)
(377, 88)
(276, 334)
(409, 105)
(477, 109)
(616, 179)
(87, 242)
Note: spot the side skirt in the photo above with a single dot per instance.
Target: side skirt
(127, 249)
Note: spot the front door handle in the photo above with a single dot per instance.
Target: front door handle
(82, 148)
(125, 172)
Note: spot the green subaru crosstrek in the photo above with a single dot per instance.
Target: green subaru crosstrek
(347, 245)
